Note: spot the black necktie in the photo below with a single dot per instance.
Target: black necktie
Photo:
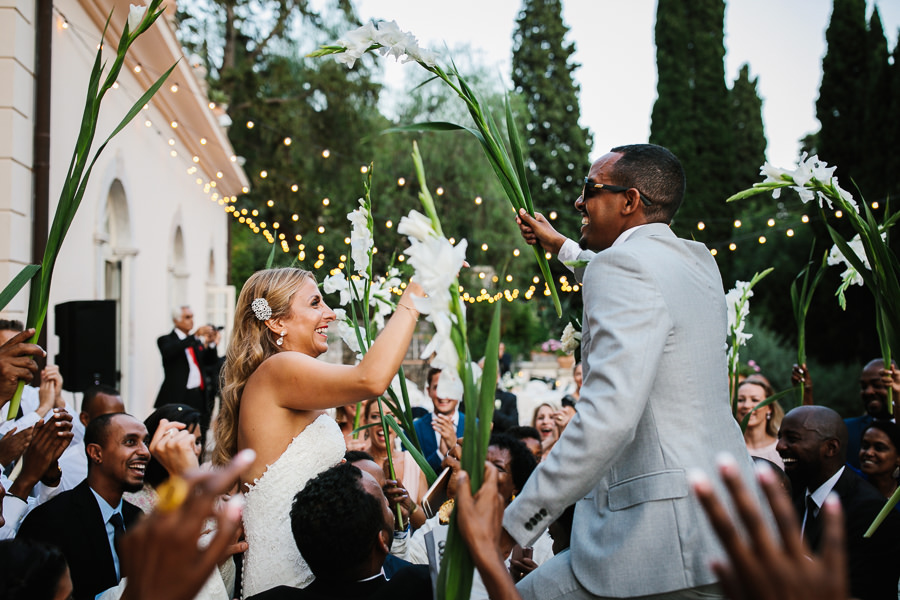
(118, 529)
(811, 527)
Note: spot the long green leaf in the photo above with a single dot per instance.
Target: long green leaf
(17, 283)
(413, 450)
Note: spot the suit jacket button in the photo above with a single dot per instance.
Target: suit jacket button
(529, 526)
(543, 512)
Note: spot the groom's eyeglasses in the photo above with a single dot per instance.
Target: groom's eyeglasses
(590, 185)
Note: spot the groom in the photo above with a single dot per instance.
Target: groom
(654, 403)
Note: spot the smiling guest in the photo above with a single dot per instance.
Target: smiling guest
(762, 426)
(438, 431)
(813, 443)
(545, 422)
(879, 456)
(85, 522)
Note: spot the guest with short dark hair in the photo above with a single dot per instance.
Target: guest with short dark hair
(343, 527)
(32, 570)
(84, 522)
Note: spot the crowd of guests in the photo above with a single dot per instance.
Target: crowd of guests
(99, 504)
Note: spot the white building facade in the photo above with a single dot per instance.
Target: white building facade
(152, 229)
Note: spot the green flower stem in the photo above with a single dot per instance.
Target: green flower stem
(390, 459)
(882, 515)
(80, 169)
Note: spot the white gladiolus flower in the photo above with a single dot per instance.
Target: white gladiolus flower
(449, 385)
(361, 240)
(417, 226)
(436, 262)
(135, 16)
(810, 172)
(737, 302)
(570, 339)
(357, 42)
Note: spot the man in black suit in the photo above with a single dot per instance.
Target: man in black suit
(813, 442)
(874, 393)
(185, 360)
(343, 527)
(85, 522)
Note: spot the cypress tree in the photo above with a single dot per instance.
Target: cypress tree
(747, 128)
(558, 147)
(874, 176)
(691, 114)
(542, 73)
(841, 106)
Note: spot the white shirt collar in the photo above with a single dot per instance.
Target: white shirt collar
(823, 490)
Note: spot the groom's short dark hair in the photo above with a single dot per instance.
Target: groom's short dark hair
(336, 522)
(656, 173)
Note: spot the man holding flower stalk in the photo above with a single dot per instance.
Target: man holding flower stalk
(653, 359)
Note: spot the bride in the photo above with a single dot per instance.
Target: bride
(274, 396)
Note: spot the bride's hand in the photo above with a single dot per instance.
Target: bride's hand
(414, 289)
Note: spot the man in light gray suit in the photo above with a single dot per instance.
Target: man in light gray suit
(654, 403)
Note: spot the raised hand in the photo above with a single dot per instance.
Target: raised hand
(160, 555)
(14, 444)
(538, 230)
(769, 566)
(17, 363)
(173, 447)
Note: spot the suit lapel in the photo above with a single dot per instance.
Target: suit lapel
(93, 532)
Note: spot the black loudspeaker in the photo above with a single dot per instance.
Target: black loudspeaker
(87, 343)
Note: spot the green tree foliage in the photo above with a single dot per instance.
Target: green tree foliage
(691, 115)
(747, 127)
(558, 147)
(843, 104)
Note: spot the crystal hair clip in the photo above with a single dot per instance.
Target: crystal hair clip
(261, 309)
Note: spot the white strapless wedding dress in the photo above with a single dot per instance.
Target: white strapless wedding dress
(272, 557)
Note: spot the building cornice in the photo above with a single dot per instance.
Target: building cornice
(154, 52)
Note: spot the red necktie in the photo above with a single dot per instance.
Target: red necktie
(194, 358)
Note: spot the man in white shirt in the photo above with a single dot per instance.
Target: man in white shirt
(813, 443)
(86, 521)
(184, 358)
(438, 431)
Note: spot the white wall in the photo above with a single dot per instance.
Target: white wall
(159, 195)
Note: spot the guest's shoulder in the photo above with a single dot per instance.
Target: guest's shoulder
(282, 592)
(412, 582)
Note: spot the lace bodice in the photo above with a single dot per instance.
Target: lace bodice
(272, 558)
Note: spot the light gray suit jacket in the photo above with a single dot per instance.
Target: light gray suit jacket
(654, 405)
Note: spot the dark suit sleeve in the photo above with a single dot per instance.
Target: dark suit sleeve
(429, 446)
(34, 526)
(172, 348)
(508, 414)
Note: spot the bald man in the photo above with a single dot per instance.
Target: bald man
(813, 443)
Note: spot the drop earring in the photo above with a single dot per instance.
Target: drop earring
(280, 339)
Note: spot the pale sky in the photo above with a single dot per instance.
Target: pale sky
(782, 40)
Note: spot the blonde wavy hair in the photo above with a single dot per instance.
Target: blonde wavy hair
(251, 343)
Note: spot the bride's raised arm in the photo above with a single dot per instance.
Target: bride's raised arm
(297, 380)
(280, 327)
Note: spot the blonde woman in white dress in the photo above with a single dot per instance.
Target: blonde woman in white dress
(274, 397)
